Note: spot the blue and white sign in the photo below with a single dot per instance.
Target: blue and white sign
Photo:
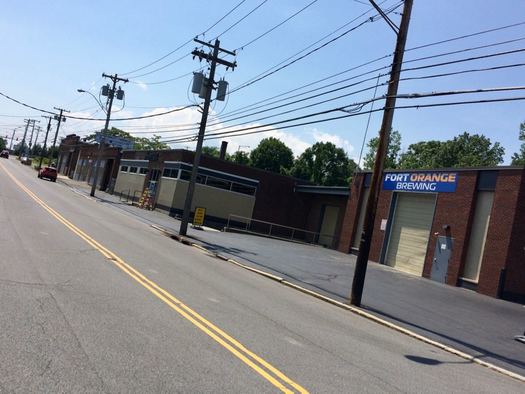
(117, 142)
(421, 182)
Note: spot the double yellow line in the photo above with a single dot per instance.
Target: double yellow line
(263, 368)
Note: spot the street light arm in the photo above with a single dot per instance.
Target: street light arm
(92, 95)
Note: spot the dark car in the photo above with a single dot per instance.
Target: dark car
(49, 173)
(4, 154)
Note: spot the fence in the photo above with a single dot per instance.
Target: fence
(274, 230)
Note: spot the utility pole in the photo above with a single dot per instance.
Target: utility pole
(208, 85)
(31, 138)
(45, 140)
(111, 94)
(60, 119)
(22, 147)
(384, 137)
(12, 138)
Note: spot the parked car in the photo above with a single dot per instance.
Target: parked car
(4, 154)
(49, 173)
(26, 160)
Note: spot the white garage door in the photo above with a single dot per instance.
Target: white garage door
(410, 231)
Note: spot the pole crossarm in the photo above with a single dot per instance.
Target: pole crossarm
(208, 56)
(211, 46)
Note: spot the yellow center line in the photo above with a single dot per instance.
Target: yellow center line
(255, 362)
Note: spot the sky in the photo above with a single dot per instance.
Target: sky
(50, 49)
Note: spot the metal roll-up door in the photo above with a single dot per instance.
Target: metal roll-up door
(410, 230)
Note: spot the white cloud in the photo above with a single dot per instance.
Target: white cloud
(142, 85)
(335, 139)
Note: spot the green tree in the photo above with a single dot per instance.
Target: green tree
(464, 150)
(153, 143)
(272, 155)
(518, 158)
(139, 143)
(424, 154)
(211, 151)
(324, 164)
(113, 132)
(240, 157)
(392, 155)
(3, 144)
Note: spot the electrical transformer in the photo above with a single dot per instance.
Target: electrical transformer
(222, 89)
(197, 82)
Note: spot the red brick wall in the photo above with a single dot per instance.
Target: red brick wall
(351, 216)
(454, 209)
(514, 288)
(383, 209)
(498, 243)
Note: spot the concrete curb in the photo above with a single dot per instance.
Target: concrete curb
(355, 310)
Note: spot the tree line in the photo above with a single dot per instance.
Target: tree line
(328, 165)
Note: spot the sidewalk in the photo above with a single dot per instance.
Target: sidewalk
(481, 326)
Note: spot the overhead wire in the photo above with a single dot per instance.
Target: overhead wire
(242, 47)
(185, 43)
(238, 116)
(243, 18)
(418, 106)
(401, 79)
(288, 62)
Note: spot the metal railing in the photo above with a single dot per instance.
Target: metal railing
(126, 196)
(274, 230)
(123, 195)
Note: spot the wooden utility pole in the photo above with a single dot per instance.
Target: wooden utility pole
(377, 175)
(111, 94)
(60, 119)
(45, 140)
(213, 59)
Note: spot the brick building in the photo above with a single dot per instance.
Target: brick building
(225, 188)
(76, 160)
(463, 227)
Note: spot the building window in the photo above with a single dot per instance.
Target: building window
(185, 175)
(133, 170)
(239, 188)
(170, 173)
(143, 171)
(124, 168)
(218, 183)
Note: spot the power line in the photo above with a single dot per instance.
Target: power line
(356, 114)
(185, 43)
(240, 20)
(96, 119)
(368, 79)
(466, 36)
(163, 67)
(242, 47)
(390, 55)
(285, 63)
(340, 108)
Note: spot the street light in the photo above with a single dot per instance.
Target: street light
(92, 95)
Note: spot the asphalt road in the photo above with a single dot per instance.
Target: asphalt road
(93, 300)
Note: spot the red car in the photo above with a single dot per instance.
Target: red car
(49, 173)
